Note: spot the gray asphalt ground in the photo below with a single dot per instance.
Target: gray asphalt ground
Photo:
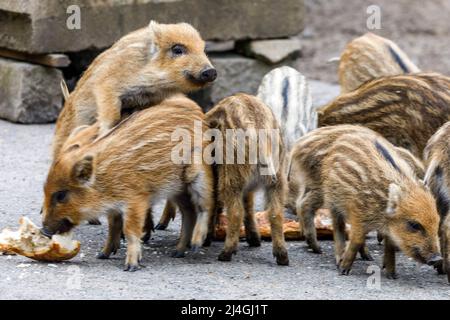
(253, 274)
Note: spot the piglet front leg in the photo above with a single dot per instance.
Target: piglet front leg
(134, 223)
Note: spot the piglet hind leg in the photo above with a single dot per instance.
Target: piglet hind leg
(108, 106)
(148, 227)
(235, 213)
(214, 220)
(252, 235)
(133, 226)
(339, 235)
(188, 221)
(306, 208)
(115, 224)
(275, 206)
(168, 214)
(201, 196)
(365, 254)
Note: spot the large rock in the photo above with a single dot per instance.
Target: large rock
(271, 51)
(40, 26)
(29, 93)
(235, 73)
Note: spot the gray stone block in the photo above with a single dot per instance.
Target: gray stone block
(40, 26)
(236, 73)
(29, 93)
(271, 51)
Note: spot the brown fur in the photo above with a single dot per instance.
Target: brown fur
(370, 57)
(130, 76)
(124, 172)
(138, 71)
(305, 186)
(437, 156)
(237, 182)
(407, 110)
(368, 185)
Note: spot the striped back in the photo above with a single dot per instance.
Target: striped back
(286, 92)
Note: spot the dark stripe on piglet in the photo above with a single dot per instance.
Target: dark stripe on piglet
(386, 155)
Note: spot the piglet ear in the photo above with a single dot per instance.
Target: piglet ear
(83, 170)
(393, 199)
(155, 31)
(155, 28)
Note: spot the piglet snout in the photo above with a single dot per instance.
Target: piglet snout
(433, 259)
(46, 232)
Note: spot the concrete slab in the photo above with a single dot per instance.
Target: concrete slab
(253, 273)
(40, 26)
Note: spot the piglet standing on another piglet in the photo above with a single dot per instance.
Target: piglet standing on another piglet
(121, 173)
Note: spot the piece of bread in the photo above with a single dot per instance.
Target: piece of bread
(28, 241)
(291, 228)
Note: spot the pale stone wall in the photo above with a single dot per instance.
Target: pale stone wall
(39, 27)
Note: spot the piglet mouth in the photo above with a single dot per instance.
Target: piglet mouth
(207, 75)
(63, 226)
(46, 232)
(189, 76)
(418, 256)
(434, 259)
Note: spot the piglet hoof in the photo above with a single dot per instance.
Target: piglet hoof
(131, 267)
(316, 250)
(102, 256)
(344, 272)
(366, 257)
(146, 238)
(178, 254)
(195, 249)
(160, 226)
(282, 259)
(379, 238)
(95, 222)
(208, 241)
(314, 247)
(254, 242)
(392, 275)
(225, 256)
(439, 266)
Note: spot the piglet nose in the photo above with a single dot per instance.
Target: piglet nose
(435, 258)
(208, 75)
(46, 232)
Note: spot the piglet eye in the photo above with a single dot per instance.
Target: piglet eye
(414, 226)
(60, 196)
(178, 50)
